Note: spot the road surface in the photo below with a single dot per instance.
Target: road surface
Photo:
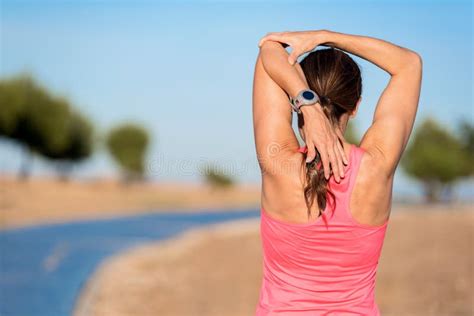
(43, 268)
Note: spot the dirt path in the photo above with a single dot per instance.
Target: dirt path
(425, 269)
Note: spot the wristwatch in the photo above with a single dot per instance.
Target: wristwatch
(305, 97)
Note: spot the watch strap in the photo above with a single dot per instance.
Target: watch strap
(300, 100)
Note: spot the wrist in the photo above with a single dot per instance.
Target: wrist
(296, 89)
(323, 36)
(311, 110)
(306, 97)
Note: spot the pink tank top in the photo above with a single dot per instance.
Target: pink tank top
(324, 267)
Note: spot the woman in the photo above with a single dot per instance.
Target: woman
(325, 206)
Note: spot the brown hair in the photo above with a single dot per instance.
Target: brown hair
(336, 78)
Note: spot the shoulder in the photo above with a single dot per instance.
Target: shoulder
(281, 161)
(375, 163)
(385, 142)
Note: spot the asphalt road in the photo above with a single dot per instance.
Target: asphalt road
(43, 268)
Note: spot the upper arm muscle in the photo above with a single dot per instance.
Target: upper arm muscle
(274, 135)
(394, 117)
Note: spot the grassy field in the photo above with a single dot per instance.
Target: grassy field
(426, 269)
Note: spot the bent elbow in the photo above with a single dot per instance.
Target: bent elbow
(414, 61)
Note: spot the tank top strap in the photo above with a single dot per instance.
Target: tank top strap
(356, 158)
(303, 149)
(351, 175)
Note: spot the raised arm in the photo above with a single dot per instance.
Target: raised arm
(275, 80)
(396, 109)
(273, 132)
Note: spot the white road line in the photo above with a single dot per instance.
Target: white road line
(52, 261)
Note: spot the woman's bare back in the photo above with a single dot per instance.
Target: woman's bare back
(370, 202)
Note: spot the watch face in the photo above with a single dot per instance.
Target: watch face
(308, 95)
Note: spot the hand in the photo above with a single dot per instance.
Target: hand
(300, 42)
(320, 134)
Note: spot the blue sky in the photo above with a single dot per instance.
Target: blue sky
(184, 69)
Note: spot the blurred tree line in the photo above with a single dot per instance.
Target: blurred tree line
(49, 126)
(216, 177)
(439, 158)
(127, 144)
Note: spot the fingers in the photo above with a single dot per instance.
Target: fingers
(293, 57)
(341, 138)
(282, 37)
(340, 150)
(333, 160)
(311, 154)
(332, 153)
(330, 159)
(337, 155)
(277, 37)
(342, 154)
(326, 163)
(339, 173)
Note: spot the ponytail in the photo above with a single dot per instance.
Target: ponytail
(316, 183)
(336, 78)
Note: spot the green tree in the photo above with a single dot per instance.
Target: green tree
(216, 177)
(435, 157)
(33, 117)
(42, 123)
(80, 136)
(12, 100)
(466, 130)
(128, 144)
